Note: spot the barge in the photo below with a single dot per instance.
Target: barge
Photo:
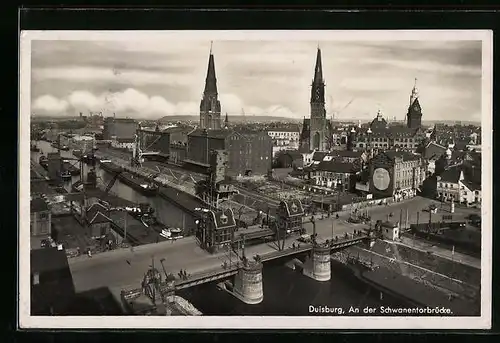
(110, 167)
(138, 183)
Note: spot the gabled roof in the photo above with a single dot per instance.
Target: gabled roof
(210, 133)
(293, 207)
(451, 174)
(337, 167)
(406, 156)
(100, 218)
(223, 218)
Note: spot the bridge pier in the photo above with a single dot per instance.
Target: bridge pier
(317, 266)
(248, 283)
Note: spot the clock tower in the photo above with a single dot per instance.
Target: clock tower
(319, 125)
(414, 115)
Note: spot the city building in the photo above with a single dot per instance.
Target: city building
(313, 156)
(396, 174)
(216, 229)
(249, 152)
(454, 185)
(154, 141)
(40, 221)
(378, 135)
(52, 289)
(334, 174)
(98, 220)
(317, 130)
(290, 215)
(285, 136)
(432, 153)
(210, 109)
(119, 128)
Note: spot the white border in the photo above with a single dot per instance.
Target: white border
(253, 322)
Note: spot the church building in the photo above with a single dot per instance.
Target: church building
(317, 130)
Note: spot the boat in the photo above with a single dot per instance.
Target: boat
(138, 183)
(176, 230)
(65, 148)
(110, 167)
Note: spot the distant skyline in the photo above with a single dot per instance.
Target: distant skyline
(149, 80)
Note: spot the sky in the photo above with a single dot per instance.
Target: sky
(152, 79)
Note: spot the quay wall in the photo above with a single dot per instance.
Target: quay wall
(461, 280)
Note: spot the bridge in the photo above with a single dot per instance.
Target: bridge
(247, 285)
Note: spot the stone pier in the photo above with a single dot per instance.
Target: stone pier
(248, 283)
(317, 266)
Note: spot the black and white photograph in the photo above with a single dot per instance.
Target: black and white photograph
(255, 179)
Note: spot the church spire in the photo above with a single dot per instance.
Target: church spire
(318, 84)
(210, 109)
(318, 70)
(226, 121)
(211, 80)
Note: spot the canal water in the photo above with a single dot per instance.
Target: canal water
(286, 292)
(166, 212)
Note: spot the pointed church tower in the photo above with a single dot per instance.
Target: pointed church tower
(414, 115)
(210, 109)
(226, 122)
(318, 124)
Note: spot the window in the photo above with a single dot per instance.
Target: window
(36, 278)
(42, 215)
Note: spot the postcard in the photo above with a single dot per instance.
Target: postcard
(255, 179)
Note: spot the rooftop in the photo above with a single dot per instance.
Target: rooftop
(38, 205)
(48, 259)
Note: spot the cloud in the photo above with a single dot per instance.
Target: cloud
(137, 104)
(48, 104)
(115, 75)
(162, 77)
(129, 101)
